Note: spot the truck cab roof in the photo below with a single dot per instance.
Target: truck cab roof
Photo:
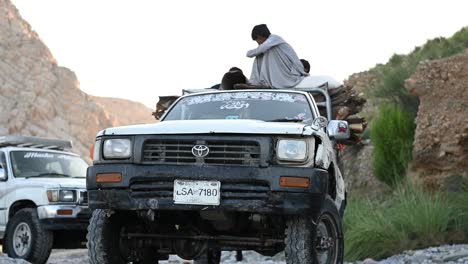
(34, 142)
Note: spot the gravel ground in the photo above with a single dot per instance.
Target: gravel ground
(451, 254)
(79, 256)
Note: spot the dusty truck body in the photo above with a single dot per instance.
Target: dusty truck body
(223, 170)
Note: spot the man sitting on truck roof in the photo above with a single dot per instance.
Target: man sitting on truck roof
(276, 64)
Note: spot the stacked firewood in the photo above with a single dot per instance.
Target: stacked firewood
(163, 104)
(346, 104)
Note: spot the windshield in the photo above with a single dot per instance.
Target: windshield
(266, 106)
(47, 164)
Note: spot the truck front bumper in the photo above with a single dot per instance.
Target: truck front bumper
(243, 189)
(64, 217)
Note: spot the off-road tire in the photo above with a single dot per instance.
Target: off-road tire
(211, 256)
(104, 238)
(301, 236)
(41, 240)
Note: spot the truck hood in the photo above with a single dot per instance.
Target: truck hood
(222, 126)
(55, 183)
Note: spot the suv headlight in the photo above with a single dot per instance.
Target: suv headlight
(119, 148)
(61, 195)
(291, 150)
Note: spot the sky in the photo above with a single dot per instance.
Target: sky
(141, 49)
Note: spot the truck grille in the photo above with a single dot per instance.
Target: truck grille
(83, 198)
(221, 152)
(238, 190)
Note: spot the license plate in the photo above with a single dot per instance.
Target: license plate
(197, 192)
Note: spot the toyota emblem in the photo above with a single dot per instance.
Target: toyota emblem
(200, 151)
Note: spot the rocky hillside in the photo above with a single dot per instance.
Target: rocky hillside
(124, 112)
(440, 149)
(40, 98)
(436, 92)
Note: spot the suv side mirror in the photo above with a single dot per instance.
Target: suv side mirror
(3, 173)
(338, 130)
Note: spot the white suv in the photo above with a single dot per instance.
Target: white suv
(43, 199)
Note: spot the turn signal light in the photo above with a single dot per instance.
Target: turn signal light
(64, 212)
(108, 177)
(288, 181)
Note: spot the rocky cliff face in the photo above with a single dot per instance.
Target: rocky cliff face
(440, 148)
(40, 98)
(357, 159)
(124, 112)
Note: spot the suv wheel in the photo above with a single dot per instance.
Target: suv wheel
(26, 239)
(319, 241)
(104, 239)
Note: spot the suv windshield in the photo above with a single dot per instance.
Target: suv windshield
(266, 106)
(47, 164)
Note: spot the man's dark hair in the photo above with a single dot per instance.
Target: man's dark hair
(235, 69)
(260, 31)
(306, 65)
(231, 78)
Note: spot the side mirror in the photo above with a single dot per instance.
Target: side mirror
(2, 174)
(338, 130)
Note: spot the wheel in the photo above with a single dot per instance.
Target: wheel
(211, 256)
(26, 239)
(315, 242)
(104, 239)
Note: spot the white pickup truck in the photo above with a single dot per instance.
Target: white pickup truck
(43, 199)
(253, 169)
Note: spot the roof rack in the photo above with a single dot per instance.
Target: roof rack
(35, 142)
(327, 103)
(204, 90)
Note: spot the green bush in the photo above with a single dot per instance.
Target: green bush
(367, 231)
(392, 134)
(409, 218)
(423, 217)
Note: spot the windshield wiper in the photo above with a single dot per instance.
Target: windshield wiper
(286, 120)
(48, 174)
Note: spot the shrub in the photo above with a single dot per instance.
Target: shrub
(409, 218)
(423, 217)
(392, 134)
(368, 231)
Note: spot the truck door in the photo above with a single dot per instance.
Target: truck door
(3, 179)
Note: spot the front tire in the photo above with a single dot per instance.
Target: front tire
(104, 238)
(315, 241)
(26, 239)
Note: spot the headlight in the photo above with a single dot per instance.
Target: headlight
(292, 150)
(117, 148)
(61, 195)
